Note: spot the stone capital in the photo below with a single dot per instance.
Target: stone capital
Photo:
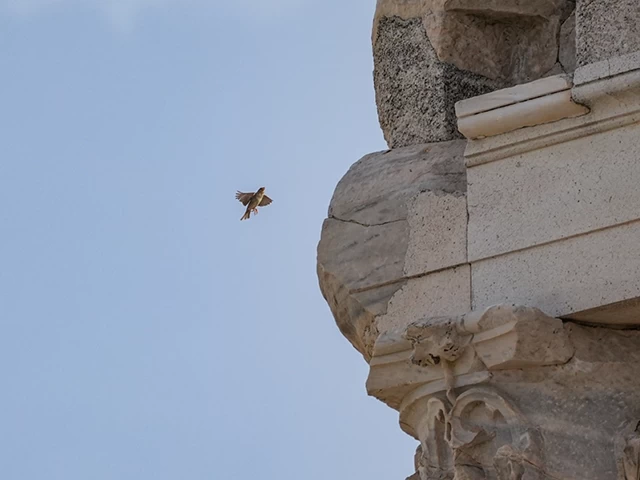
(494, 394)
(440, 354)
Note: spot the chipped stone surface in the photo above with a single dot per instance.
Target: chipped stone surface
(370, 247)
(379, 188)
(446, 292)
(519, 337)
(512, 40)
(605, 29)
(520, 47)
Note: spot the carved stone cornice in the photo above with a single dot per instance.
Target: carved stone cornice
(437, 373)
(603, 96)
(444, 353)
(540, 102)
(510, 393)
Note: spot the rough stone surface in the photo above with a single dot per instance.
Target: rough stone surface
(520, 48)
(606, 28)
(369, 248)
(567, 53)
(415, 92)
(512, 40)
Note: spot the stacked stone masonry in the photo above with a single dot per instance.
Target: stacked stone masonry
(429, 54)
(487, 267)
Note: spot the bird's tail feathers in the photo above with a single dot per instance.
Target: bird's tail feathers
(246, 215)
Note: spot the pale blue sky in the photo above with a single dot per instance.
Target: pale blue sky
(145, 332)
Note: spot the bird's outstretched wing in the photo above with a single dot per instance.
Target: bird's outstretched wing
(244, 197)
(265, 201)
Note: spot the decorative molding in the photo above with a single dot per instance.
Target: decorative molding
(610, 90)
(444, 353)
(513, 95)
(480, 436)
(543, 101)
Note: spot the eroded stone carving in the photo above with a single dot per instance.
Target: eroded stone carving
(480, 436)
(492, 438)
(436, 340)
(439, 368)
(434, 458)
(453, 351)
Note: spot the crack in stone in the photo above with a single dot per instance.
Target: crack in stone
(367, 225)
(403, 279)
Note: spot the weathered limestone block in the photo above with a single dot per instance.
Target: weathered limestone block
(606, 28)
(554, 208)
(395, 234)
(515, 42)
(416, 92)
(429, 54)
(564, 403)
(542, 101)
(567, 53)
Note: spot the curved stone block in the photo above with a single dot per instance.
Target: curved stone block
(396, 228)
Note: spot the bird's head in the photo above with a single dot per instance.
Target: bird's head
(261, 190)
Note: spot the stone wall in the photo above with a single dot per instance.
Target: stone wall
(487, 267)
(429, 54)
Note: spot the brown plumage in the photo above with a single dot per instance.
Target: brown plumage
(252, 201)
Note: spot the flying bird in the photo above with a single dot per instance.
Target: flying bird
(252, 201)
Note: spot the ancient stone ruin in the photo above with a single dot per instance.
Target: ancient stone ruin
(487, 266)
